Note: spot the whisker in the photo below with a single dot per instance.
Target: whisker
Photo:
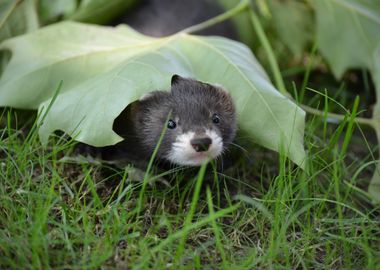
(221, 162)
(239, 146)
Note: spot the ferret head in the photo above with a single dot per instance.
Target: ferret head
(200, 120)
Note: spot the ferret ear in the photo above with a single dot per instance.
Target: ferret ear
(176, 79)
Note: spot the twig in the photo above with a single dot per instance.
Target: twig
(243, 5)
(269, 52)
(339, 117)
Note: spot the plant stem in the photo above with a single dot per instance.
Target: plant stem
(339, 117)
(243, 5)
(307, 73)
(269, 52)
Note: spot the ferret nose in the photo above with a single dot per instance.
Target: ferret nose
(201, 144)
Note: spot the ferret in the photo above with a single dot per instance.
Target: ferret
(199, 121)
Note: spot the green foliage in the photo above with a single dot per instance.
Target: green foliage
(105, 69)
(100, 11)
(348, 36)
(348, 33)
(17, 17)
(293, 21)
(22, 16)
(241, 21)
(51, 11)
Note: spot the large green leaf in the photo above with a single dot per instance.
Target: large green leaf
(348, 33)
(104, 69)
(17, 17)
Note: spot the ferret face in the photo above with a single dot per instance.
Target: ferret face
(200, 120)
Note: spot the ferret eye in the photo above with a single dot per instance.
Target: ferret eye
(215, 118)
(171, 124)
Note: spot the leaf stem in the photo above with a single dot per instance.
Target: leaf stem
(269, 52)
(243, 5)
(339, 117)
